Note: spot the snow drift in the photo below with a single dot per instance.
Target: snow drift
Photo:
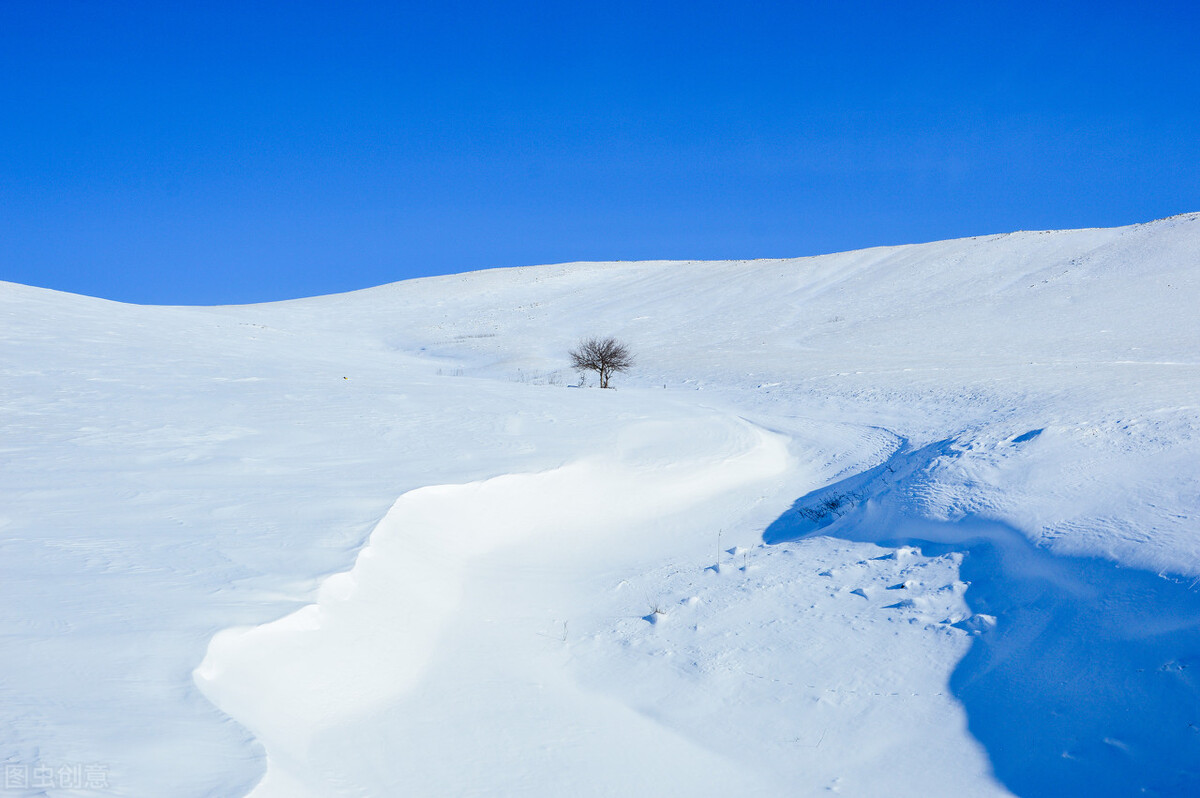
(916, 520)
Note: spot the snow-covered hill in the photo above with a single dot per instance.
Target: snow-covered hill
(917, 520)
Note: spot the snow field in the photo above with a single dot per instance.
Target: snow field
(809, 649)
(1018, 414)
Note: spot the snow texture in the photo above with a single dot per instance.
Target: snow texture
(910, 521)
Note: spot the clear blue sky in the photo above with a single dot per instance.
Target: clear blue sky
(215, 152)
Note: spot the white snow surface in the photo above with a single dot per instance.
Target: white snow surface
(909, 521)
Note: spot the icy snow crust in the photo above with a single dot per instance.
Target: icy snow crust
(916, 521)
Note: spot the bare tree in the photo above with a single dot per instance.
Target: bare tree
(605, 356)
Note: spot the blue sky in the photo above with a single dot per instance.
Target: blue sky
(200, 153)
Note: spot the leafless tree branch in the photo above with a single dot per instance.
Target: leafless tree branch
(605, 356)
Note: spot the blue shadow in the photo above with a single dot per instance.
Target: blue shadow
(1088, 685)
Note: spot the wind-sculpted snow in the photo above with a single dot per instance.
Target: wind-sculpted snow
(463, 589)
(175, 476)
(1081, 677)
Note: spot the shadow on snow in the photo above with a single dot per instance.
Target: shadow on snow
(1089, 683)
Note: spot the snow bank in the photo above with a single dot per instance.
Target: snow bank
(170, 473)
(1079, 677)
(462, 589)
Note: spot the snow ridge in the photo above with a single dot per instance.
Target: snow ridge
(450, 593)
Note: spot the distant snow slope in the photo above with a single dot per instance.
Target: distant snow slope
(542, 609)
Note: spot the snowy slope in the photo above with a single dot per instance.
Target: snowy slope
(953, 488)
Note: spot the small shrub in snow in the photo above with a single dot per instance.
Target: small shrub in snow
(834, 506)
(605, 356)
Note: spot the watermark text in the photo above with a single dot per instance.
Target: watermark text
(62, 776)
